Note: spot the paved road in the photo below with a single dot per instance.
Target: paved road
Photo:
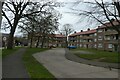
(55, 61)
(12, 66)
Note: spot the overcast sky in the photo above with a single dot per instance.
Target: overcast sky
(77, 22)
(68, 18)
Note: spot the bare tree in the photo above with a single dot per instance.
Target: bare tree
(102, 12)
(67, 29)
(18, 10)
(0, 13)
(40, 26)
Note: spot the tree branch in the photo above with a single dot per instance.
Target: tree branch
(7, 18)
(10, 8)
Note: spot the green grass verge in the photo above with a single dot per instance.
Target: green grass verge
(0, 53)
(34, 68)
(6, 52)
(99, 55)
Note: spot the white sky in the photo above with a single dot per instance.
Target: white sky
(68, 17)
(71, 18)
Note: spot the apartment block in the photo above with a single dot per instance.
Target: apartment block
(103, 38)
(107, 37)
(56, 40)
(83, 39)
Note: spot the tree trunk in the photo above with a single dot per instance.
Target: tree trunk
(31, 40)
(66, 43)
(12, 31)
(38, 41)
(42, 43)
(43, 40)
(11, 38)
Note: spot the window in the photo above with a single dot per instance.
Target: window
(77, 45)
(99, 37)
(80, 45)
(100, 30)
(91, 35)
(84, 41)
(100, 45)
(107, 37)
(110, 45)
(114, 37)
(95, 46)
(80, 35)
(95, 39)
(80, 40)
(95, 34)
(90, 41)
(85, 45)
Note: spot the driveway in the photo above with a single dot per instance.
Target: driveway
(54, 60)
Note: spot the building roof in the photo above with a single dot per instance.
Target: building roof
(108, 24)
(59, 35)
(84, 32)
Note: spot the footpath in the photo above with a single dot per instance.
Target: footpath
(13, 67)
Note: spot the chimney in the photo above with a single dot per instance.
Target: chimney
(81, 30)
(75, 32)
(88, 29)
(60, 33)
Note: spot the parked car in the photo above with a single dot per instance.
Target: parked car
(52, 46)
(72, 47)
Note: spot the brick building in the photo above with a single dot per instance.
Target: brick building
(85, 39)
(107, 37)
(56, 40)
(103, 38)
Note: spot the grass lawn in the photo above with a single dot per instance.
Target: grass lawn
(34, 68)
(98, 55)
(0, 53)
(6, 52)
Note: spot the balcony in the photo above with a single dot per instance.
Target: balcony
(111, 32)
(72, 38)
(111, 41)
(87, 37)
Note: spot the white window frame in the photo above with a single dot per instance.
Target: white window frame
(100, 45)
(110, 45)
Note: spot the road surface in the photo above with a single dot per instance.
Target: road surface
(54, 60)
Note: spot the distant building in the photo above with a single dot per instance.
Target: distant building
(56, 40)
(83, 39)
(107, 37)
(103, 38)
